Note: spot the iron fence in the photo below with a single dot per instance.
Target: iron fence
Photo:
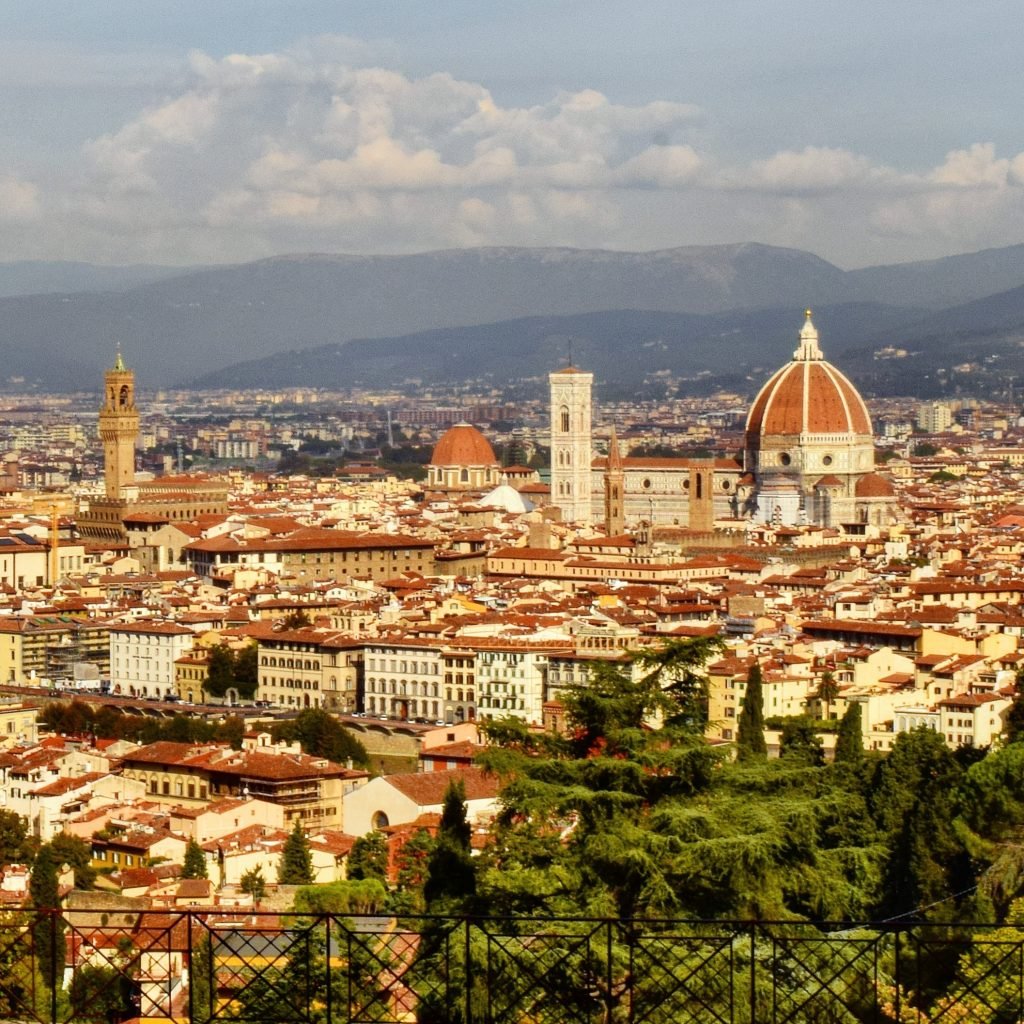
(204, 966)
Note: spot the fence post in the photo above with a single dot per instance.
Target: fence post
(327, 966)
(189, 915)
(897, 973)
(52, 915)
(753, 981)
(468, 974)
(608, 971)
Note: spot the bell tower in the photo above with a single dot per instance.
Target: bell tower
(570, 443)
(118, 428)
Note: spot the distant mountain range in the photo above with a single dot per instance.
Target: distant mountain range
(625, 349)
(727, 310)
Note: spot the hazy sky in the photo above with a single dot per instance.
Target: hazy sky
(867, 132)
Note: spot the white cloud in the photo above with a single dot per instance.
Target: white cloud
(322, 147)
(975, 167)
(812, 169)
(19, 200)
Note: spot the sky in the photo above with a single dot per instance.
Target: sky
(866, 132)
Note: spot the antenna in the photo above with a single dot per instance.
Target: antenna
(569, 363)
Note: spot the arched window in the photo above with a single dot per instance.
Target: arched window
(122, 399)
(563, 416)
(700, 485)
(464, 475)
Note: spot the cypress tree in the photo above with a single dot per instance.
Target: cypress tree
(48, 929)
(750, 742)
(194, 865)
(296, 859)
(850, 741)
(450, 870)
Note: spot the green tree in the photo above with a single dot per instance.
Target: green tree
(253, 883)
(296, 859)
(194, 865)
(321, 735)
(850, 740)
(828, 691)
(201, 976)
(412, 864)
(231, 731)
(99, 994)
(75, 852)
(16, 846)
(49, 926)
(914, 799)
(366, 896)
(750, 741)
(451, 876)
(369, 857)
(800, 741)
(676, 668)
(246, 670)
(1013, 722)
(220, 671)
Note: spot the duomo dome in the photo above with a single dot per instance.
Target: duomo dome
(808, 442)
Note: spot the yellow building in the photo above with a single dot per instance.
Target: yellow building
(309, 788)
(46, 646)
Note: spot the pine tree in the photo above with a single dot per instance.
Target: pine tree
(194, 865)
(850, 742)
(296, 858)
(750, 742)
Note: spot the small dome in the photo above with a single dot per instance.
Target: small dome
(463, 445)
(808, 396)
(874, 485)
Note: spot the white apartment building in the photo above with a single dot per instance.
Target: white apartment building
(403, 680)
(142, 657)
(511, 678)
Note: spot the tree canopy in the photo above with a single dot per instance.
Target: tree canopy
(320, 734)
(296, 859)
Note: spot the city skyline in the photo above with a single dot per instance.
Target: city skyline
(866, 136)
